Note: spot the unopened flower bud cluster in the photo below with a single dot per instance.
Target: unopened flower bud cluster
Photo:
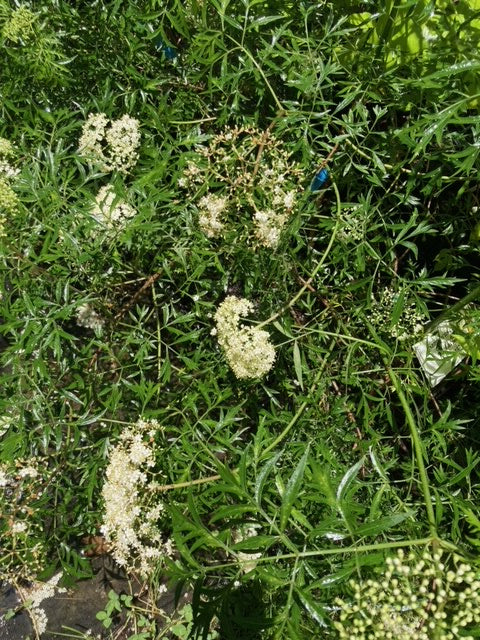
(248, 350)
(110, 144)
(20, 26)
(410, 323)
(427, 597)
(132, 510)
(111, 212)
(256, 185)
(8, 198)
(353, 225)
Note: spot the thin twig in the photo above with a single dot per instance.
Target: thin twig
(148, 283)
(263, 141)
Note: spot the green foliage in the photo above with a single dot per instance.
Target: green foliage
(277, 491)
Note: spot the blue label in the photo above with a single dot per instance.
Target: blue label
(169, 52)
(319, 180)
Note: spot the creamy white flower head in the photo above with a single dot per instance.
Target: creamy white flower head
(36, 594)
(93, 133)
(4, 478)
(19, 527)
(9, 201)
(123, 140)
(248, 350)
(254, 188)
(7, 152)
(112, 145)
(87, 317)
(130, 520)
(28, 472)
(211, 208)
(6, 148)
(268, 227)
(109, 210)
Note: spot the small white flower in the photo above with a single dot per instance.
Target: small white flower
(211, 208)
(19, 527)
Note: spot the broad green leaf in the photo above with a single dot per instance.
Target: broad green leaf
(313, 608)
(347, 480)
(282, 329)
(232, 511)
(380, 525)
(297, 361)
(255, 543)
(292, 490)
(262, 477)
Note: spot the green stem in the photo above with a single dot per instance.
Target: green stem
(343, 336)
(259, 68)
(290, 304)
(415, 542)
(417, 445)
(304, 404)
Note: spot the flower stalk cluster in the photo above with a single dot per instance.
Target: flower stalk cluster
(248, 350)
(256, 186)
(429, 597)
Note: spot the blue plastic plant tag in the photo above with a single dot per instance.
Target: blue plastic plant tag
(319, 180)
(169, 52)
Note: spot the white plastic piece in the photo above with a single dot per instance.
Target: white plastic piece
(438, 354)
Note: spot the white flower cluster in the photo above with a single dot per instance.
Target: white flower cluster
(109, 211)
(268, 227)
(112, 145)
(409, 324)
(87, 317)
(269, 222)
(35, 595)
(210, 210)
(418, 598)
(256, 185)
(248, 350)
(130, 522)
